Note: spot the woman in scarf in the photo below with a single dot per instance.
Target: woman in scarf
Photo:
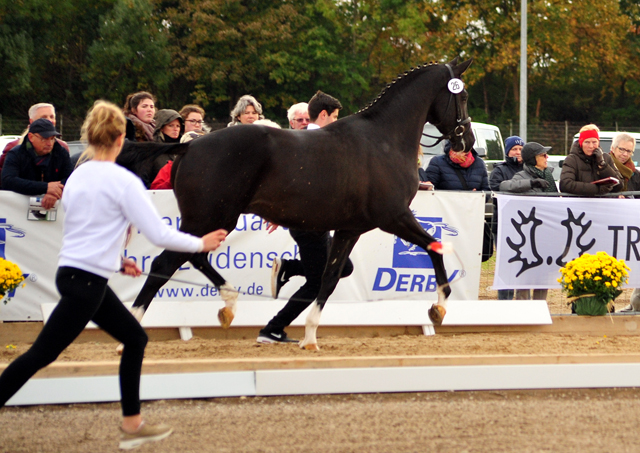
(140, 108)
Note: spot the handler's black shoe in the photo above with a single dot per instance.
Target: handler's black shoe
(278, 276)
(266, 337)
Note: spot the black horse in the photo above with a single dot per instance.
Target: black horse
(351, 176)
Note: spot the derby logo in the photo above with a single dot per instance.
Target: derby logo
(7, 228)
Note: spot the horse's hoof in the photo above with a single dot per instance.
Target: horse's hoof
(310, 347)
(120, 348)
(436, 314)
(225, 316)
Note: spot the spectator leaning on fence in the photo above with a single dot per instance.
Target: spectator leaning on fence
(36, 111)
(587, 163)
(39, 166)
(457, 170)
(504, 171)
(534, 178)
(621, 152)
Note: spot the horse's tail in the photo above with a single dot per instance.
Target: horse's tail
(138, 157)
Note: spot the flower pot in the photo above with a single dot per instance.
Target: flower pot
(591, 306)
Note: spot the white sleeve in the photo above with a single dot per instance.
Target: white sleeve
(138, 209)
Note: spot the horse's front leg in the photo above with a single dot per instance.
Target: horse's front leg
(341, 246)
(408, 228)
(228, 293)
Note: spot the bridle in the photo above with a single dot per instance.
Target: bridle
(455, 92)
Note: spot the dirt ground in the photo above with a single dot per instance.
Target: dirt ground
(522, 421)
(549, 420)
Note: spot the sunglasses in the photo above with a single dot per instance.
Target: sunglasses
(302, 120)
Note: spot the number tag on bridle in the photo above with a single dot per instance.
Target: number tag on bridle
(455, 86)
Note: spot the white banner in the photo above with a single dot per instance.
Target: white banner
(385, 267)
(539, 235)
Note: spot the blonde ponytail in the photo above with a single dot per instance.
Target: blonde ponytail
(103, 125)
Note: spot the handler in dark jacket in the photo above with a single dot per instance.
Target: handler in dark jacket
(39, 166)
(445, 171)
(587, 163)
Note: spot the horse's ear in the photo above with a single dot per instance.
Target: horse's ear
(453, 62)
(459, 70)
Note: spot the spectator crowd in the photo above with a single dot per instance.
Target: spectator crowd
(38, 164)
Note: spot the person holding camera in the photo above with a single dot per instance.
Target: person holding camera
(586, 164)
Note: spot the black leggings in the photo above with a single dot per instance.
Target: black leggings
(85, 297)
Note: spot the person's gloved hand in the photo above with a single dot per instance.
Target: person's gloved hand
(599, 157)
(605, 188)
(539, 183)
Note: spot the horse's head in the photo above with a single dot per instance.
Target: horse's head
(449, 110)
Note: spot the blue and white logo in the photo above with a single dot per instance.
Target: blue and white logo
(410, 256)
(7, 228)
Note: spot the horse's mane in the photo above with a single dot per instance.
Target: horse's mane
(400, 78)
(138, 157)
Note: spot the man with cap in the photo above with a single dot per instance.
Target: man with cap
(504, 171)
(587, 163)
(36, 111)
(535, 177)
(38, 166)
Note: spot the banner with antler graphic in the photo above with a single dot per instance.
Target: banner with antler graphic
(539, 235)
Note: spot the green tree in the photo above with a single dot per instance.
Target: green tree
(130, 53)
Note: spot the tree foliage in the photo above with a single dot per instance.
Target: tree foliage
(581, 55)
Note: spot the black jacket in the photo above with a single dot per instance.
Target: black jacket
(504, 171)
(21, 174)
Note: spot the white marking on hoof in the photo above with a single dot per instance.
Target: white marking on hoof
(230, 296)
(310, 341)
(120, 348)
(138, 313)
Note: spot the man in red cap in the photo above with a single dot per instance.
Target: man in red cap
(586, 163)
(39, 166)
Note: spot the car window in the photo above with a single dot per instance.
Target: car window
(428, 142)
(491, 139)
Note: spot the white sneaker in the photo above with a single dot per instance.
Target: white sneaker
(145, 434)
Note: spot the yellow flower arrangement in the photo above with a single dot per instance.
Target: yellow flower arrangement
(593, 282)
(10, 278)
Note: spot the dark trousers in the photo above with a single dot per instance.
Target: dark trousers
(85, 297)
(314, 253)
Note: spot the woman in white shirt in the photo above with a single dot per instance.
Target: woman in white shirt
(101, 200)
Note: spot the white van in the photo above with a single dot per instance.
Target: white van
(489, 144)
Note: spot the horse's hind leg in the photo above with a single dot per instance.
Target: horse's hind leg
(341, 246)
(228, 293)
(410, 230)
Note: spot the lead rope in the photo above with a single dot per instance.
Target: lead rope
(203, 285)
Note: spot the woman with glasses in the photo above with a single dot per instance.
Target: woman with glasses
(246, 111)
(536, 174)
(621, 154)
(194, 125)
(587, 163)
